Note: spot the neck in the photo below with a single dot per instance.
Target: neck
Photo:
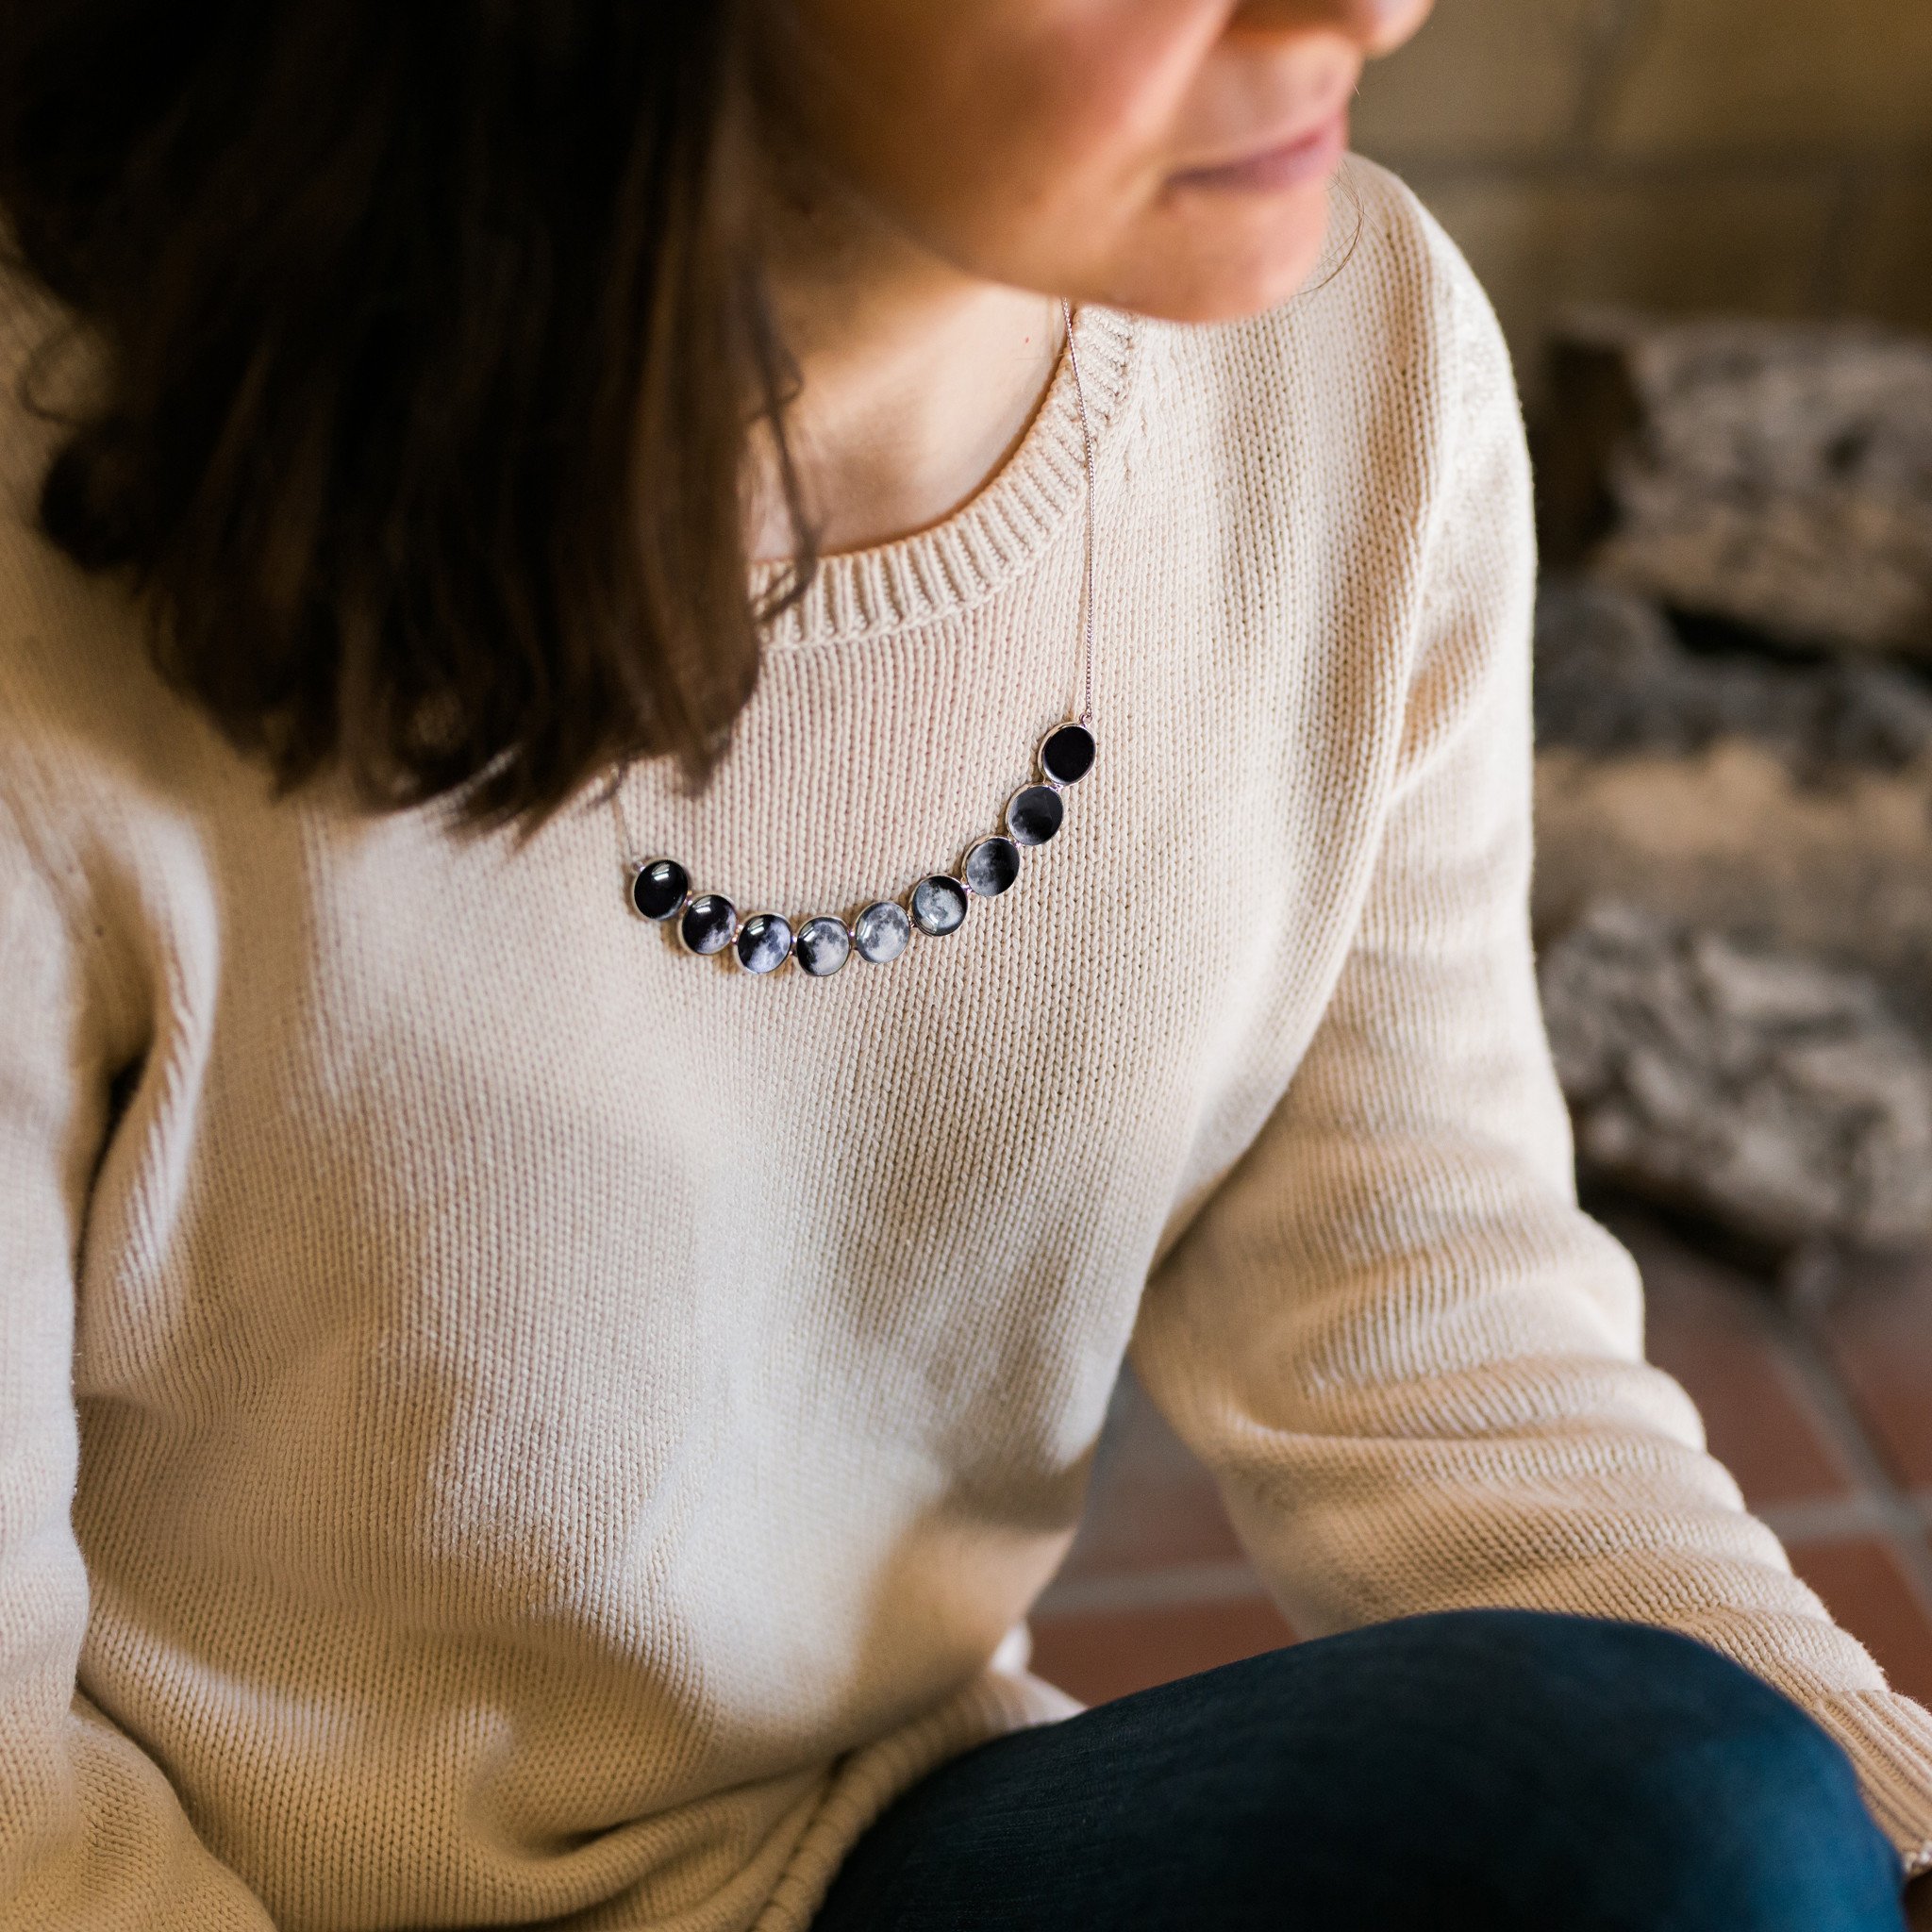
(918, 381)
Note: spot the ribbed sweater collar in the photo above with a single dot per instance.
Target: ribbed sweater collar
(958, 562)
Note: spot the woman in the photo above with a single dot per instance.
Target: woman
(615, 1019)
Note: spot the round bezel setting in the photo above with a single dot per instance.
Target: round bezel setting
(823, 945)
(939, 904)
(658, 889)
(1034, 814)
(709, 923)
(1066, 753)
(991, 866)
(881, 932)
(764, 943)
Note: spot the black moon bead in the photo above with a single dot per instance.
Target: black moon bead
(881, 931)
(991, 866)
(823, 945)
(708, 922)
(939, 904)
(764, 943)
(1034, 814)
(1066, 753)
(658, 889)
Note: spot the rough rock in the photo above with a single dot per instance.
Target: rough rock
(1777, 1094)
(1773, 474)
(1613, 675)
(1731, 839)
(1788, 800)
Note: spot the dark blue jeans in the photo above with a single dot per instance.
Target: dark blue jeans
(1499, 1771)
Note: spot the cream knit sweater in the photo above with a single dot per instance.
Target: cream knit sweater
(502, 1421)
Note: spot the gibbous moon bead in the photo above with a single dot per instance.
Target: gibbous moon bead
(1034, 814)
(764, 943)
(991, 866)
(823, 945)
(658, 889)
(708, 922)
(1066, 753)
(939, 904)
(881, 931)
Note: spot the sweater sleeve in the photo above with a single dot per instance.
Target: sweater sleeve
(92, 1834)
(1413, 1364)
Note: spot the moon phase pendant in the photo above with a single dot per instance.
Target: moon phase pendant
(883, 931)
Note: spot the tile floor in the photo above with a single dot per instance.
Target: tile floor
(1816, 1392)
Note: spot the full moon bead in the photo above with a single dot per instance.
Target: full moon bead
(710, 922)
(823, 945)
(1066, 753)
(881, 931)
(658, 889)
(991, 866)
(939, 904)
(1034, 814)
(764, 943)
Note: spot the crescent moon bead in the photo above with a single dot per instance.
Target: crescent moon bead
(709, 923)
(764, 943)
(991, 866)
(1034, 814)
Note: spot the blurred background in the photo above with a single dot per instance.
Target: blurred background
(1769, 157)
(1706, 227)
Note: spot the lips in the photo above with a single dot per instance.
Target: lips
(1304, 156)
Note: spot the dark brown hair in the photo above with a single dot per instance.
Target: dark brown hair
(434, 339)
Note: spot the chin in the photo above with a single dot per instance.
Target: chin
(1219, 266)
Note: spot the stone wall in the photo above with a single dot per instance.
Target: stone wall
(1756, 156)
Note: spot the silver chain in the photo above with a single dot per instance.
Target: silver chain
(1087, 450)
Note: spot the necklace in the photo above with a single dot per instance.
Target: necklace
(659, 890)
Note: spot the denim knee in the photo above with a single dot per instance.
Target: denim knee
(1720, 1804)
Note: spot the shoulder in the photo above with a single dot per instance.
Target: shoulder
(1391, 278)
(1409, 261)
(108, 778)
(79, 696)
(1353, 463)
(1389, 346)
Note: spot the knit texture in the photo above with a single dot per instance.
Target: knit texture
(504, 1421)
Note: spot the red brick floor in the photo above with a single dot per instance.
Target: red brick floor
(1820, 1405)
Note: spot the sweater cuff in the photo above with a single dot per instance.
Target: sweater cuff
(1889, 1739)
